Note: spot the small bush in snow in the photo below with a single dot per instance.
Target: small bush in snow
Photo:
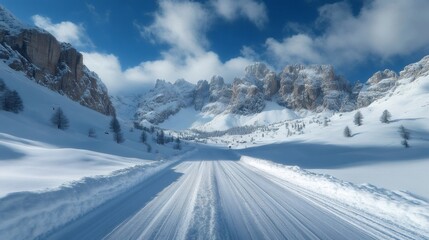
(347, 132)
(358, 118)
(385, 117)
(60, 120)
(149, 148)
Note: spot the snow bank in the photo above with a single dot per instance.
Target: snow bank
(396, 207)
(26, 215)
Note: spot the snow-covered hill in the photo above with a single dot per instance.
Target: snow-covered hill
(35, 155)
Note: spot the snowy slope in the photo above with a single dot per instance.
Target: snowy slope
(188, 118)
(35, 155)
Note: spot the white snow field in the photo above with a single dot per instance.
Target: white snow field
(34, 155)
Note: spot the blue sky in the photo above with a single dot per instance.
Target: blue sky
(131, 42)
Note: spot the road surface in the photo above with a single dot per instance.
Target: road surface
(212, 195)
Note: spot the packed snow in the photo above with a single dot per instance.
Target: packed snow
(215, 194)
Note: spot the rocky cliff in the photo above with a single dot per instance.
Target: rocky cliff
(165, 100)
(299, 87)
(50, 63)
(314, 88)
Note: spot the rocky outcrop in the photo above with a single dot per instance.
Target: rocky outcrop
(271, 85)
(415, 70)
(314, 87)
(376, 87)
(50, 63)
(165, 100)
(246, 98)
(219, 96)
(202, 94)
(299, 87)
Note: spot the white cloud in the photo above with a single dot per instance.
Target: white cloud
(382, 29)
(203, 66)
(64, 31)
(180, 24)
(254, 11)
(299, 48)
(183, 25)
(107, 66)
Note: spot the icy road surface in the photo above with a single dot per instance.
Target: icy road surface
(212, 195)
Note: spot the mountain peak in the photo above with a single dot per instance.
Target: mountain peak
(10, 23)
(415, 70)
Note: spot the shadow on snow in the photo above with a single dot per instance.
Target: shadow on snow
(325, 156)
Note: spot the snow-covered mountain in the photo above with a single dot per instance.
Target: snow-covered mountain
(297, 90)
(50, 63)
(297, 87)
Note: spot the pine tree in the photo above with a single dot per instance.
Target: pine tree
(59, 119)
(143, 137)
(116, 129)
(2, 85)
(347, 132)
(358, 118)
(177, 144)
(160, 137)
(385, 117)
(12, 102)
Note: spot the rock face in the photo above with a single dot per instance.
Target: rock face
(376, 87)
(299, 87)
(202, 94)
(415, 70)
(314, 87)
(246, 98)
(165, 100)
(50, 63)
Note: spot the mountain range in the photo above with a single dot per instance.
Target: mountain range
(309, 88)
(298, 88)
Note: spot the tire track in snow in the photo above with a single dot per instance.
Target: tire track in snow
(211, 196)
(258, 209)
(377, 227)
(169, 214)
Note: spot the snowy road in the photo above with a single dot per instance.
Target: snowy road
(212, 195)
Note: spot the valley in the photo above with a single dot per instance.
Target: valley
(290, 152)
